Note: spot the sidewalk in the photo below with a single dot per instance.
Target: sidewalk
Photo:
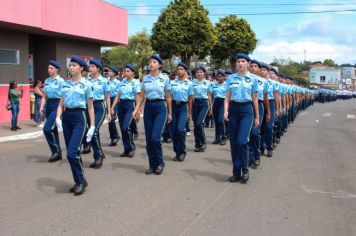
(28, 127)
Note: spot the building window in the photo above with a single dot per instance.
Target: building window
(322, 79)
(9, 56)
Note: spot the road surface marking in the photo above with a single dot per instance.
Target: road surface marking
(337, 194)
(327, 114)
(351, 116)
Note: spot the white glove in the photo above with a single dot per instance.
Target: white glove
(90, 133)
(59, 124)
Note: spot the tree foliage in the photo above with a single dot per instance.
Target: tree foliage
(183, 29)
(234, 35)
(329, 62)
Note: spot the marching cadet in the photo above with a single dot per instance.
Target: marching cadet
(263, 102)
(51, 96)
(155, 90)
(127, 96)
(182, 100)
(241, 103)
(76, 96)
(101, 94)
(219, 93)
(167, 132)
(113, 85)
(202, 105)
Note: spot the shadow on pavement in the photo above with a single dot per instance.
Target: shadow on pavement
(138, 168)
(215, 161)
(194, 173)
(59, 186)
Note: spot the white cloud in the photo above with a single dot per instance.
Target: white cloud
(141, 9)
(315, 51)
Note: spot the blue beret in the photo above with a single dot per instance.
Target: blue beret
(274, 70)
(243, 56)
(96, 62)
(131, 67)
(263, 65)
(229, 72)
(220, 72)
(157, 58)
(164, 71)
(181, 64)
(114, 69)
(79, 60)
(55, 64)
(201, 68)
(256, 62)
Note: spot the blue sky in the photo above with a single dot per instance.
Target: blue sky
(321, 36)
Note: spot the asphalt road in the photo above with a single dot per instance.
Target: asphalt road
(307, 188)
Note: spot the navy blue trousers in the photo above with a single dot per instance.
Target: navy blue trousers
(179, 120)
(50, 129)
(155, 116)
(200, 110)
(112, 124)
(255, 137)
(99, 112)
(74, 127)
(218, 114)
(268, 128)
(241, 121)
(126, 107)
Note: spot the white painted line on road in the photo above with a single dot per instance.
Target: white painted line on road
(21, 136)
(337, 194)
(327, 114)
(351, 116)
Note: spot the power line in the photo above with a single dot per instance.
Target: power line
(260, 13)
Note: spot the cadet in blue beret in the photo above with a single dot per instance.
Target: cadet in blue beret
(219, 93)
(101, 100)
(76, 96)
(114, 84)
(127, 96)
(202, 105)
(50, 99)
(241, 103)
(155, 90)
(182, 99)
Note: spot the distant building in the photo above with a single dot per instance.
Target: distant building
(34, 32)
(325, 76)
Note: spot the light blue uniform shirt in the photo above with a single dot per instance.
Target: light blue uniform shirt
(155, 87)
(262, 87)
(272, 87)
(219, 90)
(76, 94)
(201, 89)
(181, 90)
(53, 87)
(129, 89)
(100, 87)
(114, 86)
(282, 88)
(241, 88)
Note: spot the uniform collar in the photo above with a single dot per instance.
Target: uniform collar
(55, 78)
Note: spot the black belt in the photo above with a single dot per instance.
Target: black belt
(260, 101)
(179, 102)
(242, 103)
(74, 109)
(53, 99)
(98, 101)
(219, 98)
(154, 100)
(200, 99)
(271, 100)
(128, 100)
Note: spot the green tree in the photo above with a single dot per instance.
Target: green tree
(183, 29)
(234, 35)
(119, 56)
(329, 62)
(140, 46)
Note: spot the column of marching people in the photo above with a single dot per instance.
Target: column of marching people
(251, 109)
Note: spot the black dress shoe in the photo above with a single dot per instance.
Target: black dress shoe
(216, 141)
(244, 178)
(176, 158)
(159, 169)
(71, 190)
(198, 149)
(124, 154)
(250, 163)
(96, 164)
(234, 178)
(113, 142)
(278, 140)
(181, 157)
(80, 188)
(13, 129)
(150, 171)
(135, 136)
(223, 141)
(131, 153)
(169, 140)
(203, 146)
(255, 164)
(55, 157)
(86, 150)
(17, 127)
(270, 153)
